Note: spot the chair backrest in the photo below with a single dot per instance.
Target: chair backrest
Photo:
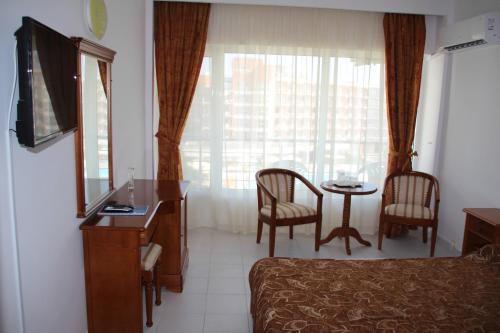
(280, 182)
(411, 187)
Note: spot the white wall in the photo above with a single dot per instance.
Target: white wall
(468, 159)
(10, 313)
(49, 241)
(469, 173)
(429, 116)
(466, 8)
(427, 7)
(149, 127)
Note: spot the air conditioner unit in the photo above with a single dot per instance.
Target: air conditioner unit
(479, 30)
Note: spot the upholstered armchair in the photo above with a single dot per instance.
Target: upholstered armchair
(407, 199)
(275, 195)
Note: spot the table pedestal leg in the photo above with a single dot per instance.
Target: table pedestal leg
(345, 230)
(346, 215)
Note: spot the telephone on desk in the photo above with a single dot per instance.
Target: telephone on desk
(113, 208)
(117, 208)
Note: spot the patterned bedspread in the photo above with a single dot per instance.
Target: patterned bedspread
(390, 295)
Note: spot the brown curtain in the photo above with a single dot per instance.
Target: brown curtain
(180, 31)
(404, 53)
(103, 69)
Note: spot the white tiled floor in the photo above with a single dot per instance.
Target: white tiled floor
(216, 293)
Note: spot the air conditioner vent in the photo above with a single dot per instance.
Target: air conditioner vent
(482, 30)
(465, 45)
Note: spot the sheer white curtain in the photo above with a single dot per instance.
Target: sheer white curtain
(285, 87)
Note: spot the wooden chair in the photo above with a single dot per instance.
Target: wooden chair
(150, 266)
(275, 195)
(406, 200)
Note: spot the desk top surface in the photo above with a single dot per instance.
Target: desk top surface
(490, 215)
(146, 192)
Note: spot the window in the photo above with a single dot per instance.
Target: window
(316, 114)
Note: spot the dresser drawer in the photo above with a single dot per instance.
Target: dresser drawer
(482, 228)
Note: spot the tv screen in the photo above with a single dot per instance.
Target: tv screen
(47, 63)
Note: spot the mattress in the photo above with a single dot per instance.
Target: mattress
(390, 295)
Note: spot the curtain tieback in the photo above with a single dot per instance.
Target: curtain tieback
(410, 154)
(167, 141)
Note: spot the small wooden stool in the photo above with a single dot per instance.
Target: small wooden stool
(150, 265)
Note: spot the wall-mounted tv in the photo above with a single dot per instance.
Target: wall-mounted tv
(47, 70)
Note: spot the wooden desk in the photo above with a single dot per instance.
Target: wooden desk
(482, 226)
(345, 230)
(112, 255)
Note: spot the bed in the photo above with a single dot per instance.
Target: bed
(389, 295)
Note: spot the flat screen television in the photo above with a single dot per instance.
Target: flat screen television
(47, 70)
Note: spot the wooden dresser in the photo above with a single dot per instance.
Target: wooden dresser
(112, 254)
(482, 226)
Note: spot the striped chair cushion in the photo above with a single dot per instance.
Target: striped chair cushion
(280, 186)
(411, 211)
(411, 189)
(149, 256)
(286, 210)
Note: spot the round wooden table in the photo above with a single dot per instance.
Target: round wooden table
(345, 230)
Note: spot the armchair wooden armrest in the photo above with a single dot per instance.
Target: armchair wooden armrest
(383, 202)
(309, 185)
(262, 188)
(313, 189)
(437, 198)
(266, 191)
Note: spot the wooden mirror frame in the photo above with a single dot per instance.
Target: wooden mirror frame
(107, 55)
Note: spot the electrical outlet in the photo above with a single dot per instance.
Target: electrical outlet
(454, 245)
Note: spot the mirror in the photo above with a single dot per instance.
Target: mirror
(94, 160)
